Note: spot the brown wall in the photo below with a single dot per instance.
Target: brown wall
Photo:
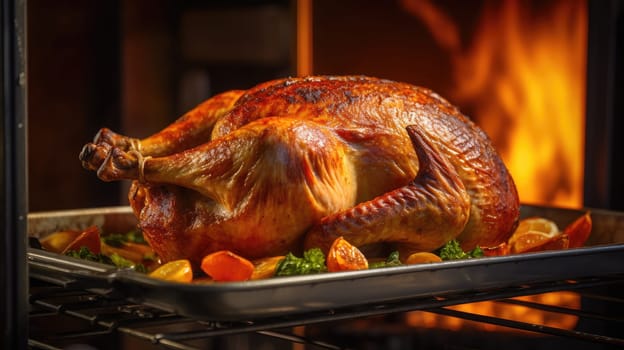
(72, 90)
(134, 67)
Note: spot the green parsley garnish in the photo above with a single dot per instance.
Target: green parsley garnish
(313, 261)
(115, 259)
(453, 251)
(391, 260)
(119, 239)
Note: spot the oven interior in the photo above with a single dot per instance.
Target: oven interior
(86, 68)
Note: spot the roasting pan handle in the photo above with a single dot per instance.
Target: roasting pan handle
(69, 272)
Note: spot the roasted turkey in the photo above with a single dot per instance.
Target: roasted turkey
(294, 163)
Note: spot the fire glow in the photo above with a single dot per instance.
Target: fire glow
(504, 310)
(523, 76)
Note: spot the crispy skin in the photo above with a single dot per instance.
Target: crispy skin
(301, 161)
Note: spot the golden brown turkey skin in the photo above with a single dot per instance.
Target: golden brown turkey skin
(298, 162)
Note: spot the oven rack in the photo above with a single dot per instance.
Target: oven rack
(97, 316)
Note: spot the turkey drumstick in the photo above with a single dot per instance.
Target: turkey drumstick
(191, 129)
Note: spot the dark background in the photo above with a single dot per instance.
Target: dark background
(135, 66)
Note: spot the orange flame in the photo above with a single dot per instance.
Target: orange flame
(569, 300)
(524, 78)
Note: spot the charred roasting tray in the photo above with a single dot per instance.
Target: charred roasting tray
(286, 296)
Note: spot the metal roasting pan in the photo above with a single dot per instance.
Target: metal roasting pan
(284, 296)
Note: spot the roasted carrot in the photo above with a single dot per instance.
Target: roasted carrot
(265, 267)
(134, 252)
(57, 242)
(535, 242)
(558, 242)
(89, 238)
(578, 231)
(227, 266)
(422, 258)
(343, 256)
(176, 271)
(499, 250)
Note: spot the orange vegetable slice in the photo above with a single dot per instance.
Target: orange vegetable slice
(265, 268)
(422, 258)
(227, 266)
(578, 231)
(89, 238)
(57, 242)
(531, 242)
(132, 251)
(343, 256)
(175, 271)
(124, 253)
(559, 242)
(536, 234)
(499, 250)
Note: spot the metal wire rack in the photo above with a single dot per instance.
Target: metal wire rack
(64, 317)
